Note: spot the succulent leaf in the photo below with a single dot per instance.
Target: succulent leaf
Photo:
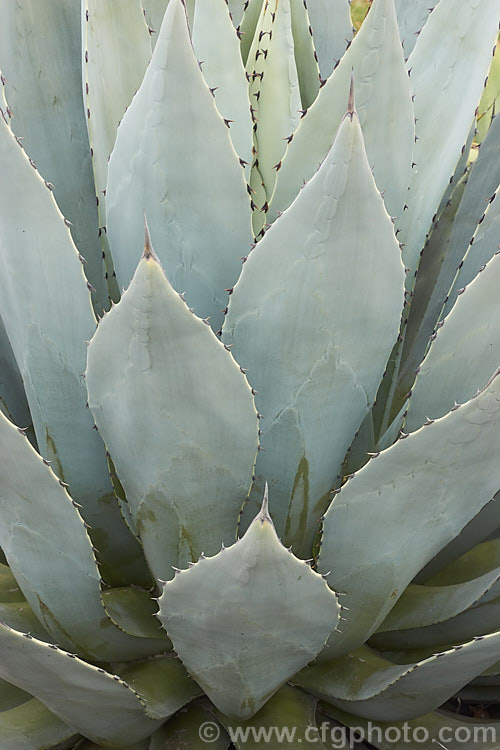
(483, 246)
(252, 628)
(287, 708)
(42, 280)
(133, 610)
(200, 241)
(162, 683)
(367, 684)
(435, 726)
(317, 252)
(41, 60)
(156, 386)
(248, 26)
(305, 54)
(12, 395)
(417, 496)
(448, 65)
(116, 55)
(183, 730)
(411, 20)
(445, 252)
(332, 31)
(436, 271)
(92, 701)
(217, 45)
(274, 87)
(31, 726)
(464, 353)
(385, 109)
(49, 552)
(476, 531)
(422, 604)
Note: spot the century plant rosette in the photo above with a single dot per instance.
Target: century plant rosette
(180, 540)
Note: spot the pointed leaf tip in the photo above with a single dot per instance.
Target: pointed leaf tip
(264, 511)
(351, 107)
(148, 247)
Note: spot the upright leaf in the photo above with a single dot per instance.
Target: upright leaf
(174, 159)
(260, 632)
(40, 57)
(116, 55)
(305, 54)
(51, 556)
(45, 307)
(464, 353)
(172, 406)
(374, 687)
(385, 110)
(332, 31)
(12, 395)
(448, 66)
(316, 365)
(31, 726)
(274, 88)
(433, 482)
(218, 48)
(411, 20)
(92, 701)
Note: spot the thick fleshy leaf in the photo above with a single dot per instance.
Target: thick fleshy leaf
(40, 57)
(12, 394)
(411, 19)
(422, 605)
(289, 716)
(236, 8)
(332, 31)
(483, 245)
(305, 54)
(448, 66)
(432, 284)
(481, 619)
(316, 365)
(248, 26)
(490, 100)
(274, 88)
(478, 530)
(20, 616)
(134, 610)
(371, 686)
(44, 539)
(427, 732)
(174, 159)
(190, 411)
(217, 47)
(464, 353)
(250, 628)
(31, 726)
(45, 307)
(117, 52)
(445, 251)
(92, 701)
(385, 109)
(9, 589)
(163, 684)
(186, 730)
(428, 485)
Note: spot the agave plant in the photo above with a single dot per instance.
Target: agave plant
(262, 491)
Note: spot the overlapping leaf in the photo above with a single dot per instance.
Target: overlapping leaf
(174, 159)
(172, 406)
(347, 298)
